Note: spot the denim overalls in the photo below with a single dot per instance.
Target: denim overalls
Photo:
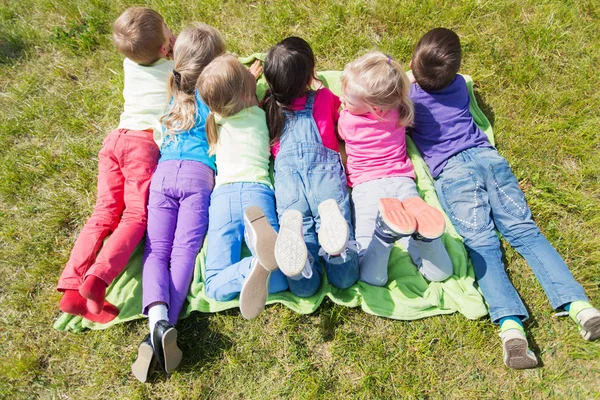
(307, 173)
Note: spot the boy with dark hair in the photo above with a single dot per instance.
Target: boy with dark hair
(480, 194)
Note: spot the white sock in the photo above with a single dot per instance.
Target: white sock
(156, 313)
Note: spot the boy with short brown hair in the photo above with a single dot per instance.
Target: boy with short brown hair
(126, 162)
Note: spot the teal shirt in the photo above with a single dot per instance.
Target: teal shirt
(190, 145)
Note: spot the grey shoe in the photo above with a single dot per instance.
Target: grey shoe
(516, 350)
(588, 321)
(334, 231)
(290, 249)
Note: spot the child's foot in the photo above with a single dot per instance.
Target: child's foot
(145, 362)
(164, 342)
(514, 344)
(261, 242)
(393, 222)
(94, 290)
(290, 249)
(516, 350)
(334, 231)
(430, 221)
(73, 303)
(587, 319)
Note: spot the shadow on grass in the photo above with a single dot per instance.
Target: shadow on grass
(487, 110)
(12, 48)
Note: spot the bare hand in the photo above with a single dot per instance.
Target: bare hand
(256, 68)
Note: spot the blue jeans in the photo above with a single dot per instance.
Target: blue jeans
(479, 193)
(300, 188)
(225, 269)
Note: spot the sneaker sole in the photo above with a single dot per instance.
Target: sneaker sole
(334, 231)
(144, 363)
(265, 237)
(290, 248)
(396, 217)
(430, 222)
(516, 355)
(253, 295)
(171, 352)
(590, 330)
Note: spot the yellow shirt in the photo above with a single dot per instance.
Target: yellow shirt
(146, 96)
(243, 151)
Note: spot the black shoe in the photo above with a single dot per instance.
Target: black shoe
(165, 345)
(145, 362)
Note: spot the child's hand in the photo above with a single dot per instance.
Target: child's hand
(256, 68)
(172, 41)
(411, 77)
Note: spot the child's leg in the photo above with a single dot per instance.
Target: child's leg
(163, 209)
(104, 219)
(225, 270)
(460, 190)
(196, 181)
(435, 264)
(138, 155)
(513, 219)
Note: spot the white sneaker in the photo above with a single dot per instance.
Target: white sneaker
(260, 238)
(516, 350)
(290, 249)
(334, 231)
(588, 321)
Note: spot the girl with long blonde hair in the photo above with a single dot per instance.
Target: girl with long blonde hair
(178, 202)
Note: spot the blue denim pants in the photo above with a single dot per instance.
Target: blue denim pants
(480, 193)
(306, 174)
(226, 270)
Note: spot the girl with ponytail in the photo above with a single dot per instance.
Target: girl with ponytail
(242, 206)
(387, 206)
(178, 202)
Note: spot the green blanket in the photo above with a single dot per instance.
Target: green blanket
(407, 295)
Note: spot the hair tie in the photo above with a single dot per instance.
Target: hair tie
(389, 59)
(177, 77)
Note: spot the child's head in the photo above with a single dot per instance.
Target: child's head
(195, 48)
(436, 60)
(289, 70)
(226, 87)
(141, 35)
(376, 84)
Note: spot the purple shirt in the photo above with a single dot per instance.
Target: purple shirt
(443, 124)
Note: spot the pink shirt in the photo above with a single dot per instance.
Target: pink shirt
(376, 148)
(326, 114)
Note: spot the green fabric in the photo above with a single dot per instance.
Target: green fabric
(407, 295)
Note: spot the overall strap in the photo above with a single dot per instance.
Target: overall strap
(310, 100)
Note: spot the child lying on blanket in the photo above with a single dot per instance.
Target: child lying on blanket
(242, 205)
(178, 204)
(479, 192)
(125, 165)
(310, 183)
(375, 93)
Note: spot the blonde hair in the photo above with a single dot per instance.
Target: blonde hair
(380, 81)
(138, 35)
(226, 87)
(194, 49)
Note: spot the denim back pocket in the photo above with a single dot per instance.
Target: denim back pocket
(327, 181)
(219, 211)
(510, 196)
(287, 185)
(466, 202)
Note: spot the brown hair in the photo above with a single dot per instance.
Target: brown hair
(378, 80)
(194, 49)
(138, 35)
(436, 60)
(289, 70)
(226, 87)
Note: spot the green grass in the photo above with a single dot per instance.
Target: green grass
(535, 66)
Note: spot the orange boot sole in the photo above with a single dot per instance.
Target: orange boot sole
(430, 222)
(395, 216)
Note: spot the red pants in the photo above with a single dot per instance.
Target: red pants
(125, 166)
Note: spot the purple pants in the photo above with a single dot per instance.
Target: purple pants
(177, 223)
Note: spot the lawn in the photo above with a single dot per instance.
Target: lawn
(535, 68)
